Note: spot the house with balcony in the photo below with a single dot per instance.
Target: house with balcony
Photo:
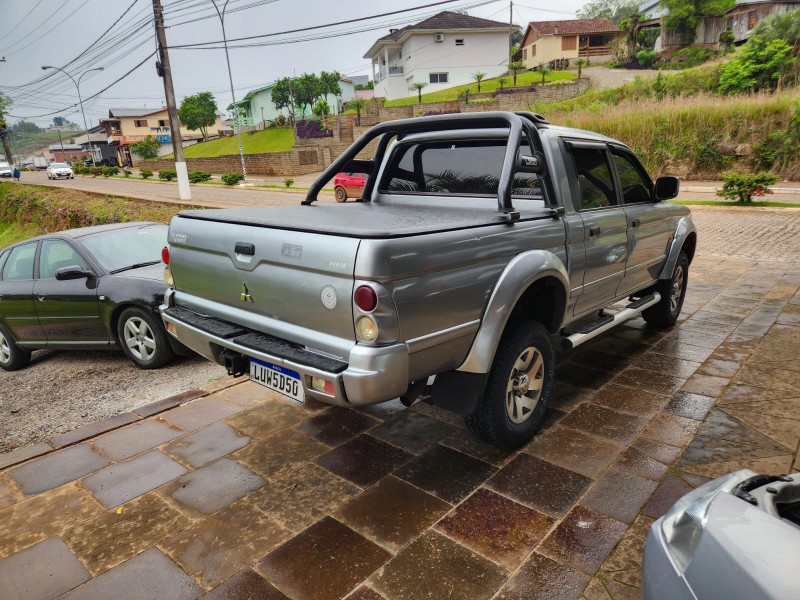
(547, 41)
(442, 51)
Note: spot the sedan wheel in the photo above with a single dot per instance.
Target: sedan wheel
(143, 339)
(341, 194)
(12, 357)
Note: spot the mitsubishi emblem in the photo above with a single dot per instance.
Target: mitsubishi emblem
(245, 295)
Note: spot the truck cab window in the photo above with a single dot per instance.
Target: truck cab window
(635, 186)
(594, 178)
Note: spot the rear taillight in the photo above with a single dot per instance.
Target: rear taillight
(165, 255)
(365, 298)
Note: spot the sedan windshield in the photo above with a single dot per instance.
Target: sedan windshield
(59, 166)
(121, 249)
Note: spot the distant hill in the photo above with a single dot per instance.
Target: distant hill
(31, 143)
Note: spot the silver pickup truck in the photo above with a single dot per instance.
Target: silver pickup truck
(478, 239)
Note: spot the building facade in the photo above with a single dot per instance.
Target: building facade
(545, 42)
(442, 52)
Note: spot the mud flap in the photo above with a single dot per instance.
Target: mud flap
(458, 391)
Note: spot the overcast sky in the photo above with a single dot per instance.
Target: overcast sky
(54, 32)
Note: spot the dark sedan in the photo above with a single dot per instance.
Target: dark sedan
(86, 289)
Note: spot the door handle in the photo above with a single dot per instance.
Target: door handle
(594, 231)
(42, 297)
(636, 222)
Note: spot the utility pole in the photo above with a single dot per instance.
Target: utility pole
(4, 129)
(165, 72)
(510, 32)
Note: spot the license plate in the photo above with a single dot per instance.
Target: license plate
(282, 380)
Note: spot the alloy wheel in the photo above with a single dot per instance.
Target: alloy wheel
(677, 288)
(525, 385)
(139, 338)
(5, 349)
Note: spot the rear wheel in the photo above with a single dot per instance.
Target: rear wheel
(143, 339)
(340, 193)
(12, 357)
(518, 389)
(665, 313)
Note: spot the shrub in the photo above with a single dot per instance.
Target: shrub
(288, 182)
(646, 58)
(146, 148)
(126, 172)
(232, 178)
(109, 171)
(167, 174)
(199, 176)
(145, 173)
(95, 171)
(80, 170)
(726, 38)
(312, 129)
(743, 186)
(321, 108)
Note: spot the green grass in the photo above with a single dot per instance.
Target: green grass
(29, 143)
(260, 142)
(736, 204)
(11, 233)
(525, 79)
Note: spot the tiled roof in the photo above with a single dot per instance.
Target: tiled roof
(573, 27)
(133, 112)
(443, 21)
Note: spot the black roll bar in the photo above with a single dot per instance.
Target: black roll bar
(389, 129)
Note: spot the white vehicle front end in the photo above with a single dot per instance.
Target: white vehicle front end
(59, 171)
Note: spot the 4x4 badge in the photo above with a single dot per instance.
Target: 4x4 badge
(245, 295)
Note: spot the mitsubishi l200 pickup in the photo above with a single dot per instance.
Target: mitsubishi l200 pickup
(480, 240)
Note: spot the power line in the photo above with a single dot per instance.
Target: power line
(28, 14)
(560, 12)
(58, 24)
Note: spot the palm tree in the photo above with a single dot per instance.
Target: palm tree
(545, 70)
(479, 77)
(418, 86)
(358, 104)
(514, 67)
(502, 81)
(580, 63)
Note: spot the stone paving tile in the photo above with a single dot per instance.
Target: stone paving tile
(263, 420)
(719, 368)
(31, 521)
(650, 381)
(639, 403)
(446, 474)
(671, 429)
(19, 455)
(340, 557)
(720, 425)
(705, 449)
(787, 408)
(41, 572)
(539, 484)
(56, 469)
(135, 439)
(202, 412)
(784, 431)
(337, 425)
(609, 424)
(148, 410)
(574, 450)
(619, 494)
(391, 513)
(682, 351)
(208, 444)
(93, 429)
(667, 493)
(580, 375)
(364, 460)
(610, 361)
(214, 549)
(663, 453)
(124, 481)
(147, 575)
(365, 593)
(624, 563)
(9, 493)
(595, 591)
(297, 500)
(496, 527)
(249, 394)
(210, 488)
(412, 431)
(690, 406)
(703, 339)
(245, 585)
(541, 578)
(773, 464)
(705, 385)
(282, 452)
(382, 410)
(114, 536)
(439, 413)
(635, 462)
(621, 591)
(463, 441)
(583, 539)
(434, 566)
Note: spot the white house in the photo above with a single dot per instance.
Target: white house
(442, 51)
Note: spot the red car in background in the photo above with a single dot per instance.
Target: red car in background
(348, 185)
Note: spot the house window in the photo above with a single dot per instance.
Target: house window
(533, 50)
(140, 123)
(459, 41)
(163, 123)
(752, 19)
(524, 54)
(438, 77)
(569, 42)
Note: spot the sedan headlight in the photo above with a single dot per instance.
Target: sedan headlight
(683, 525)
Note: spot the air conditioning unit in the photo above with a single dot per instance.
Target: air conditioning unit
(438, 37)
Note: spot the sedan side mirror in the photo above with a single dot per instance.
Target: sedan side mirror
(666, 188)
(72, 272)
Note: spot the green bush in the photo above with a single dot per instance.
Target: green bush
(646, 58)
(80, 170)
(743, 186)
(109, 171)
(95, 171)
(167, 174)
(232, 178)
(288, 182)
(126, 172)
(199, 176)
(145, 173)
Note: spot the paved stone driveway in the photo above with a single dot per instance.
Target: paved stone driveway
(239, 493)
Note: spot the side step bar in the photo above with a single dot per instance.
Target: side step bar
(603, 324)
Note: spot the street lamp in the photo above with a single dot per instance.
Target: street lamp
(80, 101)
(236, 124)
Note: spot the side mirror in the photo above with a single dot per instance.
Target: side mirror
(666, 188)
(531, 164)
(72, 272)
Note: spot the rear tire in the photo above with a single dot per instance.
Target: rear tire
(12, 357)
(340, 193)
(518, 389)
(673, 290)
(144, 339)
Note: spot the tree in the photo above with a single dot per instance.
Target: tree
(146, 148)
(478, 77)
(685, 15)
(418, 86)
(515, 67)
(321, 108)
(25, 127)
(545, 70)
(358, 104)
(282, 96)
(330, 83)
(307, 88)
(616, 10)
(580, 63)
(199, 112)
(502, 81)
(5, 104)
(59, 121)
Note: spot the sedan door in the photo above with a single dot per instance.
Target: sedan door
(354, 184)
(68, 310)
(16, 296)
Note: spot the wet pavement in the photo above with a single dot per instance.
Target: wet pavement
(239, 493)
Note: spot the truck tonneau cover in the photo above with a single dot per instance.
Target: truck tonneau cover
(361, 219)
